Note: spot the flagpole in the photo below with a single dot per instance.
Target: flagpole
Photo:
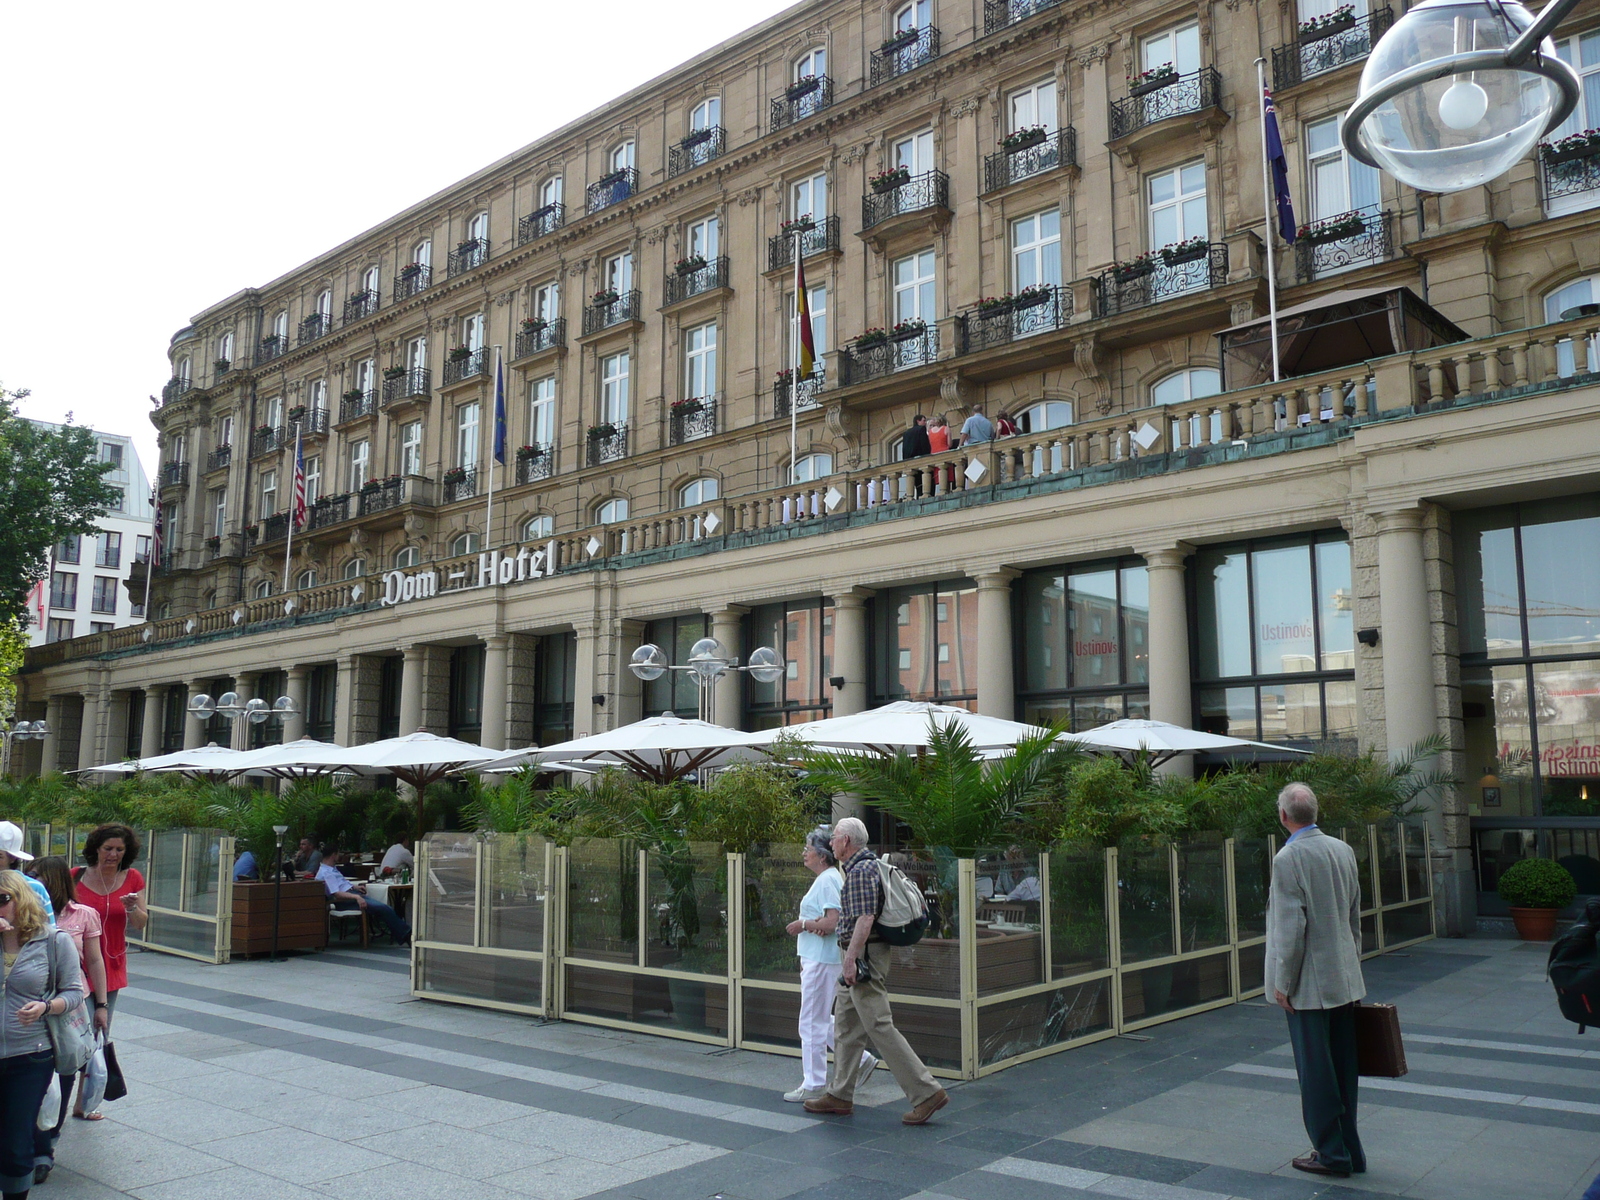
(1268, 208)
(494, 438)
(794, 357)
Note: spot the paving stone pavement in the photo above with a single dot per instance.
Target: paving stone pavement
(322, 1077)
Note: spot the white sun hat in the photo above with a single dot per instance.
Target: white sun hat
(11, 841)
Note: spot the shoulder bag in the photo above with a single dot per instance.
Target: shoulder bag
(71, 1033)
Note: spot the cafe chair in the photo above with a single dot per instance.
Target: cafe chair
(340, 916)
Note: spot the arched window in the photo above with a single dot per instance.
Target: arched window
(263, 589)
(536, 529)
(353, 569)
(609, 511)
(280, 325)
(209, 600)
(369, 280)
(1181, 387)
(1047, 414)
(550, 191)
(706, 115)
(813, 62)
(622, 156)
(698, 491)
(182, 369)
(306, 579)
(325, 304)
(406, 556)
(464, 543)
(1565, 298)
(916, 15)
(478, 227)
(225, 348)
(422, 253)
(811, 467)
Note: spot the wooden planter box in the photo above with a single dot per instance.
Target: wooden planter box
(302, 919)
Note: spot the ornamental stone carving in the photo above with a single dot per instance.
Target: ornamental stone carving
(1088, 354)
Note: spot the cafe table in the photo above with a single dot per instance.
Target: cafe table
(396, 895)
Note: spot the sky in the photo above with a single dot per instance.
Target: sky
(159, 157)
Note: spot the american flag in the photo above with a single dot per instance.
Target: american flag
(299, 512)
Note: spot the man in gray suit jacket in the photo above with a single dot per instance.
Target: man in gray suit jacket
(1313, 970)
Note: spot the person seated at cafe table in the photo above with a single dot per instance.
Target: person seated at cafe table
(345, 895)
(397, 856)
(308, 858)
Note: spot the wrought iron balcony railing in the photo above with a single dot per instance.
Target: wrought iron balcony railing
(267, 440)
(1157, 100)
(312, 422)
(413, 383)
(1331, 46)
(693, 282)
(468, 366)
(318, 324)
(460, 484)
(274, 528)
(354, 408)
(329, 510)
(360, 304)
(535, 339)
(412, 280)
(696, 150)
(388, 493)
(997, 14)
(931, 189)
(997, 322)
(175, 474)
(805, 396)
(537, 463)
(903, 53)
(802, 99)
(1570, 172)
(693, 419)
(611, 188)
(625, 307)
(1129, 286)
(272, 346)
(822, 236)
(1058, 149)
(219, 458)
(175, 387)
(473, 252)
(858, 363)
(540, 222)
(1338, 243)
(606, 447)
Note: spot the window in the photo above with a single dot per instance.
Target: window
(614, 389)
(1582, 53)
(322, 695)
(313, 479)
(622, 156)
(369, 280)
(478, 228)
(317, 393)
(466, 693)
(550, 191)
(542, 412)
(225, 431)
(811, 467)
(538, 528)
(141, 549)
(325, 307)
(809, 197)
(802, 634)
(1036, 250)
(118, 501)
(618, 273)
(111, 452)
(104, 597)
(70, 548)
(611, 511)
(274, 412)
(706, 115)
(1084, 643)
(59, 630)
(1180, 47)
(406, 556)
(269, 492)
(467, 435)
(101, 627)
(929, 644)
(916, 15)
(698, 491)
(675, 691)
(225, 348)
(411, 448)
(422, 253)
(219, 511)
(417, 354)
(915, 153)
(472, 332)
(464, 543)
(555, 678)
(914, 289)
(811, 63)
(366, 379)
(1046, 415)
(819, 324)
(262, 590)
(1182, 387)
(360, 462)
(182, 369)
(177, 448)
(1177, 205)
(280, 326)
(700, 361)
(1339, 183)
(1581, 291)
(108, 549)
(64, 589)
(547, 301)
(354, 569)
(1033, 105)
(306, 579)
(702, 239)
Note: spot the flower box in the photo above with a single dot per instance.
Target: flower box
(1153, 80)
(801, 88)
(1137, 269)
(376, 485)
(906, 330)
(872, 337)
(453, 475)
(222, 366)
(906, 37)
(1335, 230)
(992, 306)
(1570, 149)
(611, 177)
(410, 270)
(214, 541)
(264, 431)
(1184, 252)
(467, 247)
(525, 453)
(604, 430)
(395, 372)
(695, 138)
(1028, 297)
(460, 354)
(1023, 139)
(298, 413)
(688, 266)
(354, 395)
(603, 299)
(534, 324)
(888, 181)
(1318, 28)
(803, 224)
(682, 408)
(250, 531)
(271, 339)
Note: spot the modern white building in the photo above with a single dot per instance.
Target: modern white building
(85, 591)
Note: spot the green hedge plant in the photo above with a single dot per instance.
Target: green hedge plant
(1537, 883)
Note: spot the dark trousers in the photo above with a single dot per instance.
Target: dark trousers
(44, 1140)
(23, 1080)
(1324, 1042)
(399, 930)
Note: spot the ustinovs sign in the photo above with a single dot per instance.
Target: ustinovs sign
(494, 570)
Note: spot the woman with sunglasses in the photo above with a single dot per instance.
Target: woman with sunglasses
(26, 1058)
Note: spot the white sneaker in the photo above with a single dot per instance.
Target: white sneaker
(803, 1093)
(869, 1063)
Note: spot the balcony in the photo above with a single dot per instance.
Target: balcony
(1008, 318)
(611, 188)
(805, 396)
(360, 304)
(540, 337)
(267, 439)
(473, 252)
(412, 280)
(602, 313)
(696, 150)
(800, 100)
(904, 53)
(381, 495)
(318, 324)
(272, 529)
(1162, 97)
(997, 14)
(219, 459)
(1328, 46)
(460, 483)
(464, 364)
(357, 405)
(1159, 276)
(310, 422)
(175, 474)
(696, 277)
(402, 383)
(175, 387)
(272, 346)
(900, 201)
(1338, 243)
(1571, 171)
(535, 463)
(821, 238)
(541, 222)
(692, 419)
(875, 355)
(1031, 154)
(329, 510)
(606, 443)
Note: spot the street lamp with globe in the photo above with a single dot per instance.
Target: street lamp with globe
(708, 662)
(228, 706)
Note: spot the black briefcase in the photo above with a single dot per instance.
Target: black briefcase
(1379, 1050)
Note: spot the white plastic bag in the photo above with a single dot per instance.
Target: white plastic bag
(50, 1106)
(94, 1075)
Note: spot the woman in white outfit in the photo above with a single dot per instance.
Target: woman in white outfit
(820, 966)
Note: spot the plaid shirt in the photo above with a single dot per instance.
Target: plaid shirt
(861, 896)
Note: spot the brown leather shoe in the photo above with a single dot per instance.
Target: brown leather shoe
(829, 1103)
(1312, 1164)
(920, 1114)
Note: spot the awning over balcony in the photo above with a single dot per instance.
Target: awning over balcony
(1333, 331)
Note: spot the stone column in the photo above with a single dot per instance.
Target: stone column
(344, 700)
(155, 697)
(586, 681)
(49, 748)
(411, 689)
(194, 729)
(1170, 680)
(89, 730)
(996, 686)
(851, 651)
(244, 684)
(727, 701)
(496, 654)
(1409, 711)
(297, 689)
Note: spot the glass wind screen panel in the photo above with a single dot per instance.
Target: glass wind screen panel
(1224, 614)
(1144, 902)
(1285, 638)
(603, 899)
(1092, 605)
(1044, 632)
(1561, 576)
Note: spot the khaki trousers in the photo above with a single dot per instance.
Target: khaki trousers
(861, 1015)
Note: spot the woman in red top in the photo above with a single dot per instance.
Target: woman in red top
(115, 891)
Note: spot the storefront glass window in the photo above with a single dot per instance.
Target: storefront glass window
(802, 632)
(1084, 653)
(555, 682)
(928, 644)
(676, 691)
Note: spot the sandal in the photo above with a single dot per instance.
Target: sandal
(97, 1115)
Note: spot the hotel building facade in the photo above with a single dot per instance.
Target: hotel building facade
(1051, 210)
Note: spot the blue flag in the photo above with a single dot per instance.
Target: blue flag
(500, 408)
(1280, 168)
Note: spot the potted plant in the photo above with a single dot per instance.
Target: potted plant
(1186, 251)
(1021, 139)
(375, 485)
(264, 431)
(887, 181)
(906, 37)
(872, 337)
(991, 306)
(410, 271)
(1325, 26)
(1034, 293)
(794, 225)
(687, 406)
(455, 475)
(1575, 146)
(1134, 268)
(534, 324)
(297, 414)
(250, 531)
(222, 366)
(525, 453)
(688, 266)
(270, 340)
(469, 246)
(904, 331)
(1152, 80)
(801, 88)
(604, 429)
(395, 372)
(1537, 889)
(214, 542)
(460, 353)
(604, 298)
(1334, 229)
(695, 137)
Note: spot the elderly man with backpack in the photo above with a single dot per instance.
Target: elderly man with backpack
(879, 907)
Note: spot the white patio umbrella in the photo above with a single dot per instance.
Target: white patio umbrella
(660, 748)
(904, 725)
(307, 756)
(1163, 740)
(210, 759)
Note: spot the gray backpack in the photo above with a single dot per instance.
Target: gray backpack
(903, 915)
